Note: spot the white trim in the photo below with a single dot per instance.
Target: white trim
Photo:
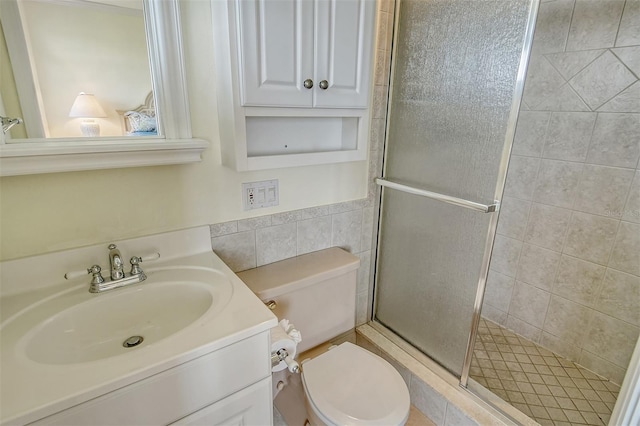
(3, 137)
(303, 112)
(162, 24)
(65, 156)
(627, 408)
(164, 41)
(24, 72)
(304, 159)
(96, 5)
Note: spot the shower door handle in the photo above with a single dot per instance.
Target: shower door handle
(484, 208)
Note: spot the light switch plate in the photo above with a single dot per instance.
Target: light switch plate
(256, 195)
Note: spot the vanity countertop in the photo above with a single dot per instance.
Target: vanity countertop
(31, 390)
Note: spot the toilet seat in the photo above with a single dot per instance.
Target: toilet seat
(349, 385)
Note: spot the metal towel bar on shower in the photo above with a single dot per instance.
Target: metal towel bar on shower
(440, 197)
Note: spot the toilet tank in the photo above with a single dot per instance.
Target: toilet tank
(315, 291)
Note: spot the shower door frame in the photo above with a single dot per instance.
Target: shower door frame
(492, 209)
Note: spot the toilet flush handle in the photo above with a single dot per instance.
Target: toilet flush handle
(283, 355)
(292, 364)
(271, 304)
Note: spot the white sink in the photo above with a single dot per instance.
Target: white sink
(61, 346)
(166, 303)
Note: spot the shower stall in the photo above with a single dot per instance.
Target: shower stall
(470, 257)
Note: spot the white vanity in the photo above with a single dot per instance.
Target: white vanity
(204, 357)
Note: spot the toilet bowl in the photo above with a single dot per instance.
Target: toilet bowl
(349, 385)
(346, 385)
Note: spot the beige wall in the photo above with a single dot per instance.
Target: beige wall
(44, 213)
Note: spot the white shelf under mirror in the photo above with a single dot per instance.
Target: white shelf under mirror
(175, 145)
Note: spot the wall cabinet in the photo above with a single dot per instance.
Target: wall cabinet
(303, 53)
(294, 80)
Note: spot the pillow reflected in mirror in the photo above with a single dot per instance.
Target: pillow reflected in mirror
(141, 123)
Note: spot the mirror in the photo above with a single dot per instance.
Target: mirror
(174, 146)
(60, 49)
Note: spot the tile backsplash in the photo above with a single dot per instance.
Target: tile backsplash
(565, 270)
(249, 243)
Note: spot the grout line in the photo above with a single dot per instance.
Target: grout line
(622, 61)
(577, 187)
(566, 40)
(613, 246)
(614, 96)
(604, 49)
(624, 7)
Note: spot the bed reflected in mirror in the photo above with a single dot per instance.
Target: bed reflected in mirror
(59, 53)
(141, 120)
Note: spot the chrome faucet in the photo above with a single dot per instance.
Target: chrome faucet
(118, 277)
(115, 263)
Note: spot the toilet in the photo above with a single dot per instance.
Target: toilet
(346, 385)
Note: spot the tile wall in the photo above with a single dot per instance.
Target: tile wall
(248, 243)
(566, 265)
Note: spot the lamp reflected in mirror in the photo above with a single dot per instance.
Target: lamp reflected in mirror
(87, 107)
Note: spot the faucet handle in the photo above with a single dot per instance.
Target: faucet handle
(135, 262)
(149, 257)
(75, 274)
(97, 276)
(135, 265)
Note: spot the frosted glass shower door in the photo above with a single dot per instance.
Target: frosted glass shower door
(455, 91)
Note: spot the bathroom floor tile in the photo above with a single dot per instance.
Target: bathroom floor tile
(541, 384)
(416, 418)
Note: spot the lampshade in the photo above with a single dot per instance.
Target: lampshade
(86, 106)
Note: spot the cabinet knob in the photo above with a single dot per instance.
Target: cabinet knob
(324, 84)
(308, 83)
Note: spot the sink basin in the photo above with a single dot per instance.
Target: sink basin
(168, 302)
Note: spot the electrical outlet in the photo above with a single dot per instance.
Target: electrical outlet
(256, 195)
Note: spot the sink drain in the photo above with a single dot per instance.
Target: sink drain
(132, 341)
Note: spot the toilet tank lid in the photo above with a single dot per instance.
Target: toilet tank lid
(277, 278)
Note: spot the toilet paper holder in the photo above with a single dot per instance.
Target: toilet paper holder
(283, 355)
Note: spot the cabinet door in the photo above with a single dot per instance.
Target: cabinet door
(275, 52)
(344, 31)
(250, 406)
(174, 393)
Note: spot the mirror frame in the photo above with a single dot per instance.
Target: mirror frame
(176, 146)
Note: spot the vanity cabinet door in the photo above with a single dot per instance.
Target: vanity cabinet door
(275, 52)
(344, 33)
(179, 391)
(250, 406)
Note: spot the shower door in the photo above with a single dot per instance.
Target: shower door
(457, 76)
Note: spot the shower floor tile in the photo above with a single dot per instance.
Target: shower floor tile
(545, 386)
